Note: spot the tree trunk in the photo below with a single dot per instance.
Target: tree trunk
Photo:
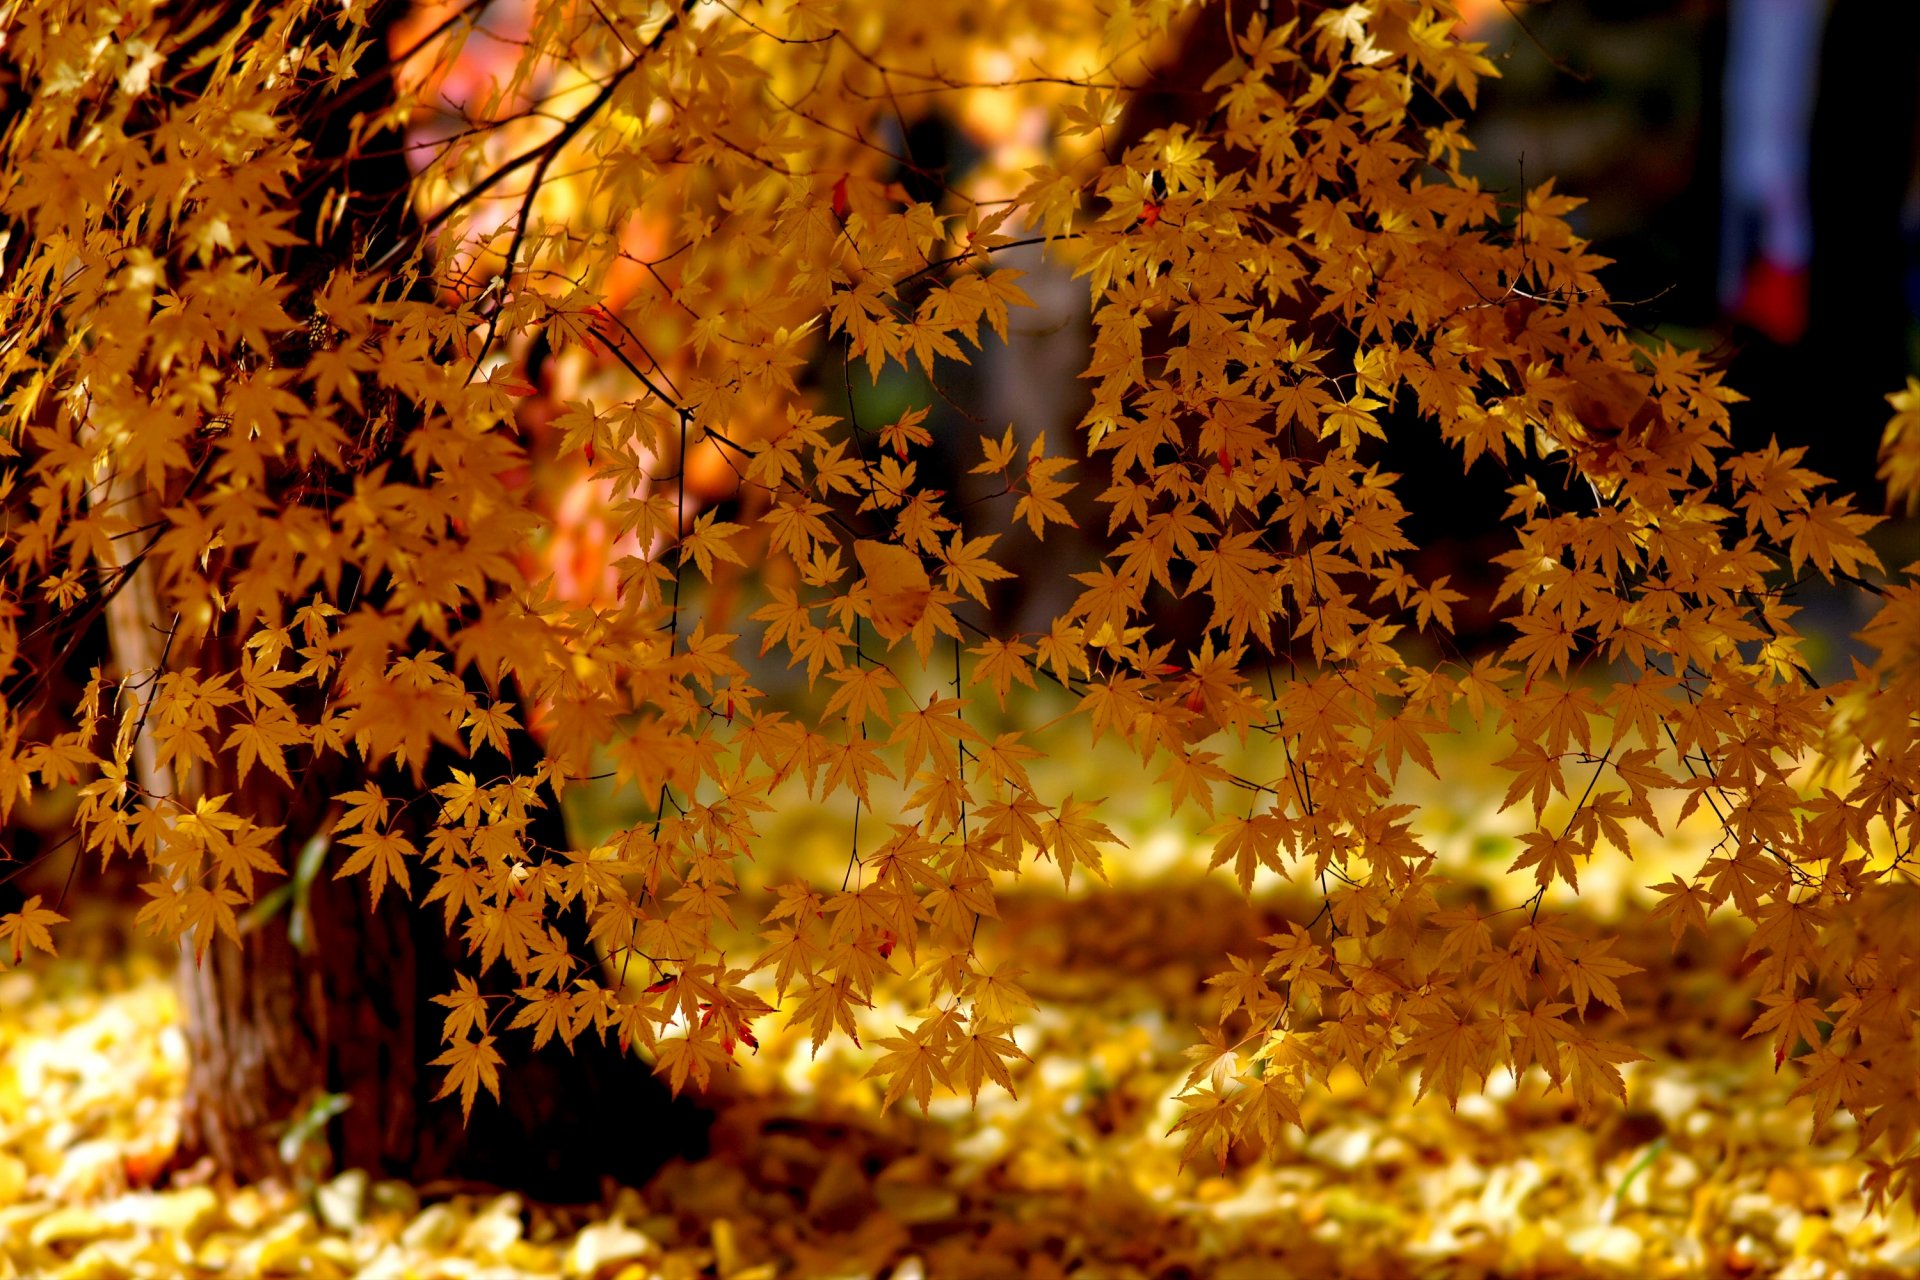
(274, 1029)
(278, 1026)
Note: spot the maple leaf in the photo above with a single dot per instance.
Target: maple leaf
(792, 950)
(1826, 533)
(1248, 843)
(996, 996)
(1074, 836)
(1294, 950)
(264, 741)
(506, 930)
(906, 431)
(1001, 663)
(999, 454)
(982, 1053)
(468, 1009)
(28, 927)
(1834, 1080)
(826, 1006)
(1040, 505)
(491, 725)
(1591, 1069)
(1468, 935)
(380, 854)
(708, 541)
(203, 911)
(1193, 774)
(1453, 1047)
(1536, 1037)
(1590, 975)
(967, 568)
(911, 1066)
(1792, 1018)
(1546, 643)
(898, 586)
(547, 1012)
(1433, 603)
(1545, 940)
(1210, 1119)
(1684, 906)
(365, 807)
(1537, 773)
(1551, 857)
(470, 1064)
(242, 855)
(862, 693)
(1242, 984)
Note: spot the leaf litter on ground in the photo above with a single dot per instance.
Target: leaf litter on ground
(1708, 1169)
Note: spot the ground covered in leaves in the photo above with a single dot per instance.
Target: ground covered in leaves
(1709, 1170)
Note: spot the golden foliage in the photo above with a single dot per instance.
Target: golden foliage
(298, 462)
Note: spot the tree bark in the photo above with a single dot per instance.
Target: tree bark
(272, 1028)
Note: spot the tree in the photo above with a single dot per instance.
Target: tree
(326, 1000)
(681, 216)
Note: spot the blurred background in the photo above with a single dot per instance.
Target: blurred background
(1751, 167)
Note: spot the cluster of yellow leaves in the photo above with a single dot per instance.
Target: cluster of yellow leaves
(317, 517)
(1900, 448)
